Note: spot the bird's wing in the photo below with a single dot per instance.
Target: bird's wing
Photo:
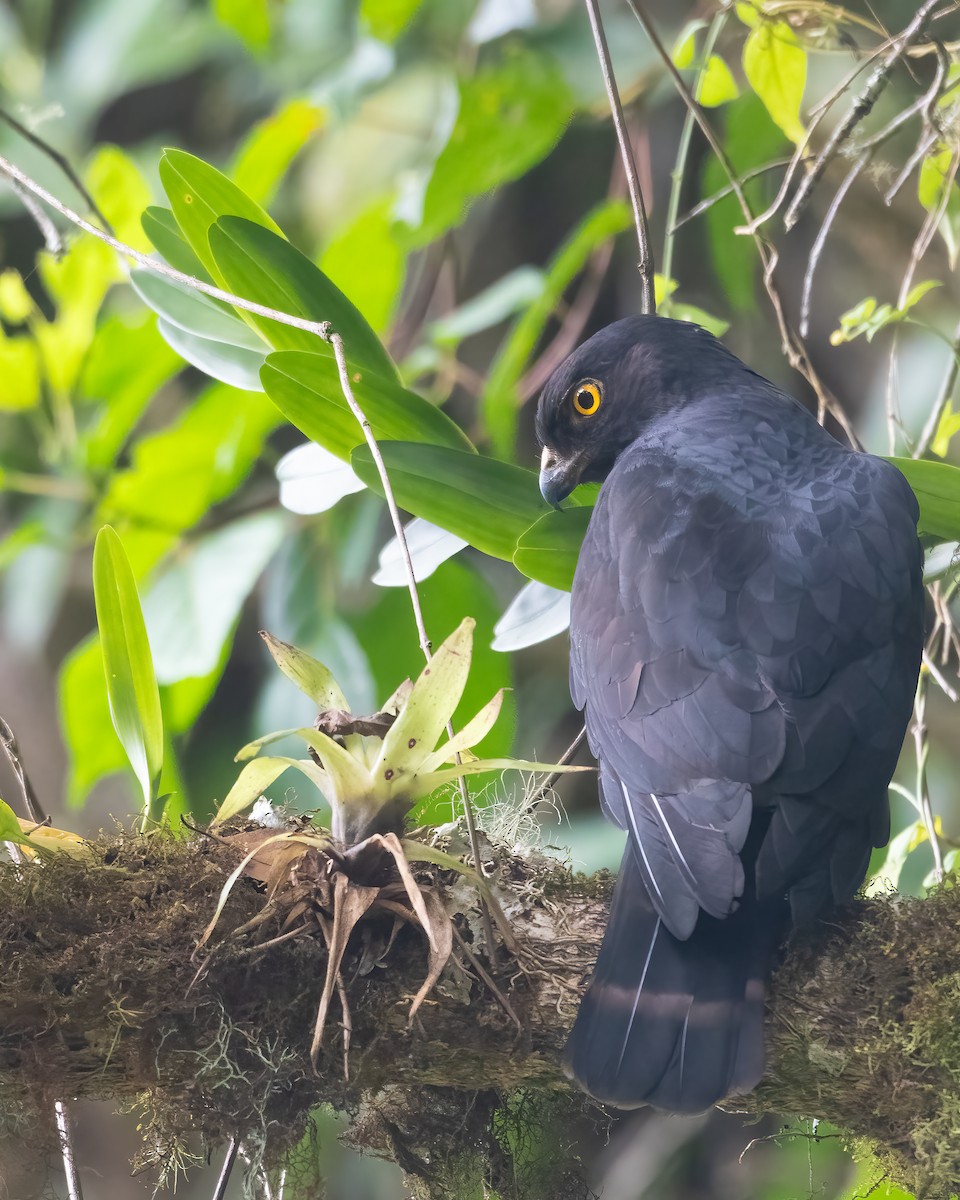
(740, 633)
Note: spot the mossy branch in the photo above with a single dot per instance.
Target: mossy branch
(95, 1001)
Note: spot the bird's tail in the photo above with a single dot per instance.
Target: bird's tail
(675, 1024)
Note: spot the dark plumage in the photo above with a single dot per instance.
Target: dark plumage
(745, 638)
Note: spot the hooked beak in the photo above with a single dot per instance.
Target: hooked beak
(558, 477)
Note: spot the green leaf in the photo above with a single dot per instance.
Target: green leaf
(259, 265)
(193, 311)
(511, 115)
(160, 226)
(411, 739)
(233, 365)
(10, 830)
(867, 318)
(685, 45)
(549, 549)
(19, 373)
(776, 67)
(248, 18)
(306, 389)
(127, 664)
(199, 195)
(271, 146)
(500, 398)
(511, 293)
(486, 502)
(947, 427)
(466, 738)
(387, 19)
(310, 676)
(717, 84)
(752, 139)
(252, 781)
(937, 488)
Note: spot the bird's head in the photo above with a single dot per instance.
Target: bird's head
(609, 390)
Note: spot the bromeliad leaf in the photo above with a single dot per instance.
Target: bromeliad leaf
(311, 677)
(429, 706)
(128, 665)
(473, 732)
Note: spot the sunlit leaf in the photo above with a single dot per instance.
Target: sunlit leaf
(272, 144)
(387, 19)
(248, 18)
(367, 260)
(776, 67)
(717, 84)
(19, 373)
(486, 502)
(467, 737)
(160, 226)
(127, 663)
(411, 739)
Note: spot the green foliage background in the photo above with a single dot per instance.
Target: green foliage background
(446, 176)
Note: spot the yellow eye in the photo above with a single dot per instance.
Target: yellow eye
(586, 399)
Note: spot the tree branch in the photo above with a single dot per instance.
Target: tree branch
(94, 1003)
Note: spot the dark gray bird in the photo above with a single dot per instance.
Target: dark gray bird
(745, 638)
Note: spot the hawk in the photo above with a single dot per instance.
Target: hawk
(745, 639)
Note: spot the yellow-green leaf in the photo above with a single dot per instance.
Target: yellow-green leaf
(19, 373)
(311, 677)
(717, 84)
(128, 664)
(776, 67)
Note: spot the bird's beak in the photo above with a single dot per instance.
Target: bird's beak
(558, 477)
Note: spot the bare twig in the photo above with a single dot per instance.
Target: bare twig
(233, 1147)
(645, 265)
(65, 1135)
(52, 240)
(861, 107)
(709, 201)
(552, 778)
(793, 347)
(821, 239)
(683, 147)
(62, 162)
(8, 743)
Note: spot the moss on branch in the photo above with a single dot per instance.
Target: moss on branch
(96, 1001)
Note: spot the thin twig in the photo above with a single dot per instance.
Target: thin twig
(821, 239)
(65, 1135)
(645, 265)
(62, 162)
(8, 743)
(552, 778)
(52, 240)
(320, 329)
(683, 147)
(715, 197)
(860, 108)
(793, 347)
(226, 1170)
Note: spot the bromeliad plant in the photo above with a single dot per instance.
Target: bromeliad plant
(372, 770)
